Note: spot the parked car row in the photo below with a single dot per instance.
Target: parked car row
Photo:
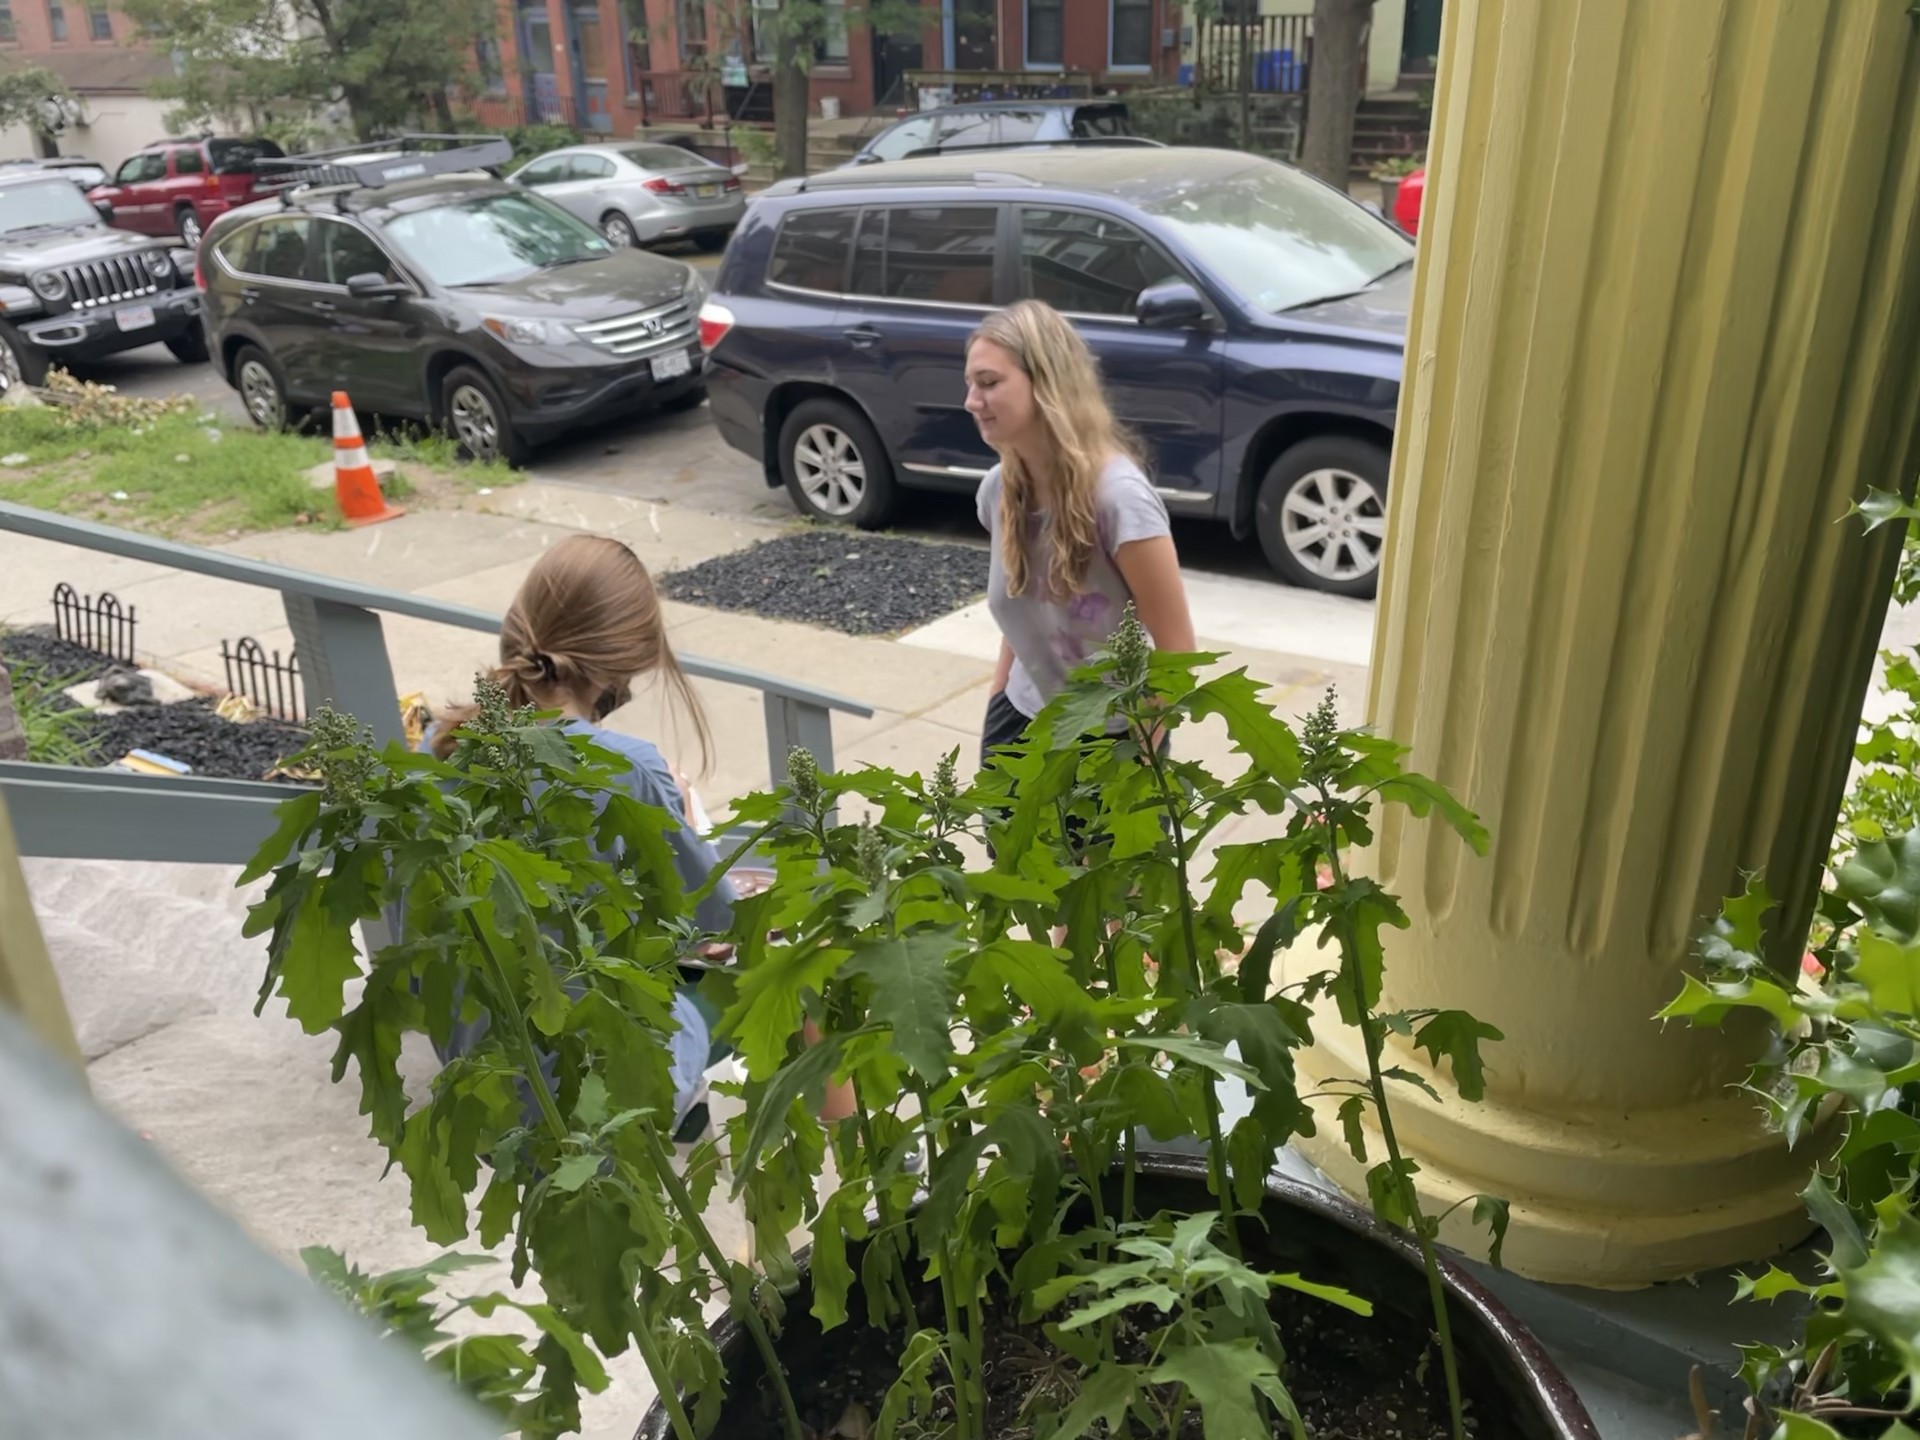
(1249, 320)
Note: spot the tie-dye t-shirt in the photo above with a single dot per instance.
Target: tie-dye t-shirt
(1052, 635)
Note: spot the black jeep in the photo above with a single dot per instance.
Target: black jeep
(74, 288)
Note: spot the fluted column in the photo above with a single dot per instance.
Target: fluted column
(1666, 330)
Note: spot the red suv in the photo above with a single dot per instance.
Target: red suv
(179, 187)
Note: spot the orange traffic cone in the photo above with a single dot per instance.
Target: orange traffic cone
(354, 486)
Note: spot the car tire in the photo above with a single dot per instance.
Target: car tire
(1322, 514)
(20, 362)
(713, 241)
(618, 231)
(834, 465)
(190, 346)
(263, 393)
(186, 224)
(476, 416)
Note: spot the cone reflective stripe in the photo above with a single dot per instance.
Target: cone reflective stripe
(355, 488)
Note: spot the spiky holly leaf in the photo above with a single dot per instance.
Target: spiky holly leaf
(1882, 880)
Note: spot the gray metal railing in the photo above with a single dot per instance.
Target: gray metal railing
(95, 814)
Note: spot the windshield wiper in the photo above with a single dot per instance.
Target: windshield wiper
(39, 225)
(1366, 289)
(1391, 270)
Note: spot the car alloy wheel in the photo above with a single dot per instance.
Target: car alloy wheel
(830, 469)
(475, 425)
(260, 393)
(10, 372)
(1334, 523)
(619, 231)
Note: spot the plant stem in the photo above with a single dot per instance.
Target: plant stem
(743, 1301)
(969, 1417)
(656, 1364)
(889, 1216)
(1376, 1082)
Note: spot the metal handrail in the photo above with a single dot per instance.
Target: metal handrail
(78, 813)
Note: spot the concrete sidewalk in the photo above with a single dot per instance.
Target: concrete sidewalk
(160, 981)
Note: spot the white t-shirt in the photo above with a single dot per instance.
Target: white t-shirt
(1052, 636)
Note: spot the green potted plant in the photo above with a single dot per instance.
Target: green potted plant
(999, 1250)
(1389, 173)
(1842, 1079)
(1015, 1039)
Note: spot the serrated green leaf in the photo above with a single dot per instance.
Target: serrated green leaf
(767, 1007)
(911, 1394)
(1226, 1380)
(1256, 732)
(1494, 1214)
(295, 817)
(315, 959)
(912, 996)
(1195, 1052)
(576, 1170)
(1332, 1294)
(439, 1207)
(1106, 1393)
(1353, 1110)
(1390, 1191)
(1423, 797)
(1161, 1297)
(1034, 974)
(580, 1245)
(805, 1075)
(842, 1216)
(1455, 1036)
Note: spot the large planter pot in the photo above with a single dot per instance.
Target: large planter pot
(1520, 1392)
(1389, 197)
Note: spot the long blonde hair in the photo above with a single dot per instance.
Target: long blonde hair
(585, 623)
(1081, 432)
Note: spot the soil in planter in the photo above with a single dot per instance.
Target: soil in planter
(1354, 1378)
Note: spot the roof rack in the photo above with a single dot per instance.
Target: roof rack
(384, 162)
(853, 179)
(1095, 142)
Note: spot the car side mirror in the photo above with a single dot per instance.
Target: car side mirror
(1171, 305)
(105, 207)
(376, 287)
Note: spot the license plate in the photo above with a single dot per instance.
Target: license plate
(706, 192)
(668, 367)
(134, 317)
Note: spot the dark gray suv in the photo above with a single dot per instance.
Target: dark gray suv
(430, 290)
(72, 288)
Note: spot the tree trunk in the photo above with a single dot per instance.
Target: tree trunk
(1333, 88)
(13, 739)
(791, 73)
(443, 110)
(45, 144)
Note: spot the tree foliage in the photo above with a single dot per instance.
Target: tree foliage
(390, 63)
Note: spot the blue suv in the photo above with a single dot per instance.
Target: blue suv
(1249, 321)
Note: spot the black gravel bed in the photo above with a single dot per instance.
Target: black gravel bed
(842, 580)
(190, 731)
(39, 648)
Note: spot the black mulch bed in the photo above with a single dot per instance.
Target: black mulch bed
(844, 580)
(187, 730)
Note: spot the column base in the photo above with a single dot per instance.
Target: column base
(1609, 1201)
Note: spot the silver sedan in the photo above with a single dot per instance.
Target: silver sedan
(638, 193)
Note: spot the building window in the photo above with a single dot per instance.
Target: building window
(693, 28)
(831, 45)
(56, 20)
(633, 23)
(1046, 34)
(7, 32)
(493, 72)
(99, 22)
(1131, 45)
(586, 31)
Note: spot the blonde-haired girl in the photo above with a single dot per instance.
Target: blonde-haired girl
(1078, 529)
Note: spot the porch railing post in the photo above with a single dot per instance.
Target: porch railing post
(343, 662)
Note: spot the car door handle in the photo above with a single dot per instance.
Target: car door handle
(249, 294)
(325, 305)
(863, 337)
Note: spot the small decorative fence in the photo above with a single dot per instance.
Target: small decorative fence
(272, 684)
(666, 95)
(1278, 49)
(102, 624)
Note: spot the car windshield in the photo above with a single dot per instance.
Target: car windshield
(1281, 239)
(38, 203)
(231, 156)
(493, 238)
(663, 157)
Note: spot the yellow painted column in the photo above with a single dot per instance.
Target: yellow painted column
(1666, 330)
(28, 985)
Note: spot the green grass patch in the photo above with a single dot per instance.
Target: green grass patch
(55, 728)
(436, 450)
(174, 474)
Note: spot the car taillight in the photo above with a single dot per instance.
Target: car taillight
(733, 182)
(664, 187)
(715, 322)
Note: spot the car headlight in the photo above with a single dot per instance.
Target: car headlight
(159, 264)
(517, 331)
(49, 285)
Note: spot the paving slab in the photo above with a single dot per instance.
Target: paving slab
(419, 549)
(30, 569)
